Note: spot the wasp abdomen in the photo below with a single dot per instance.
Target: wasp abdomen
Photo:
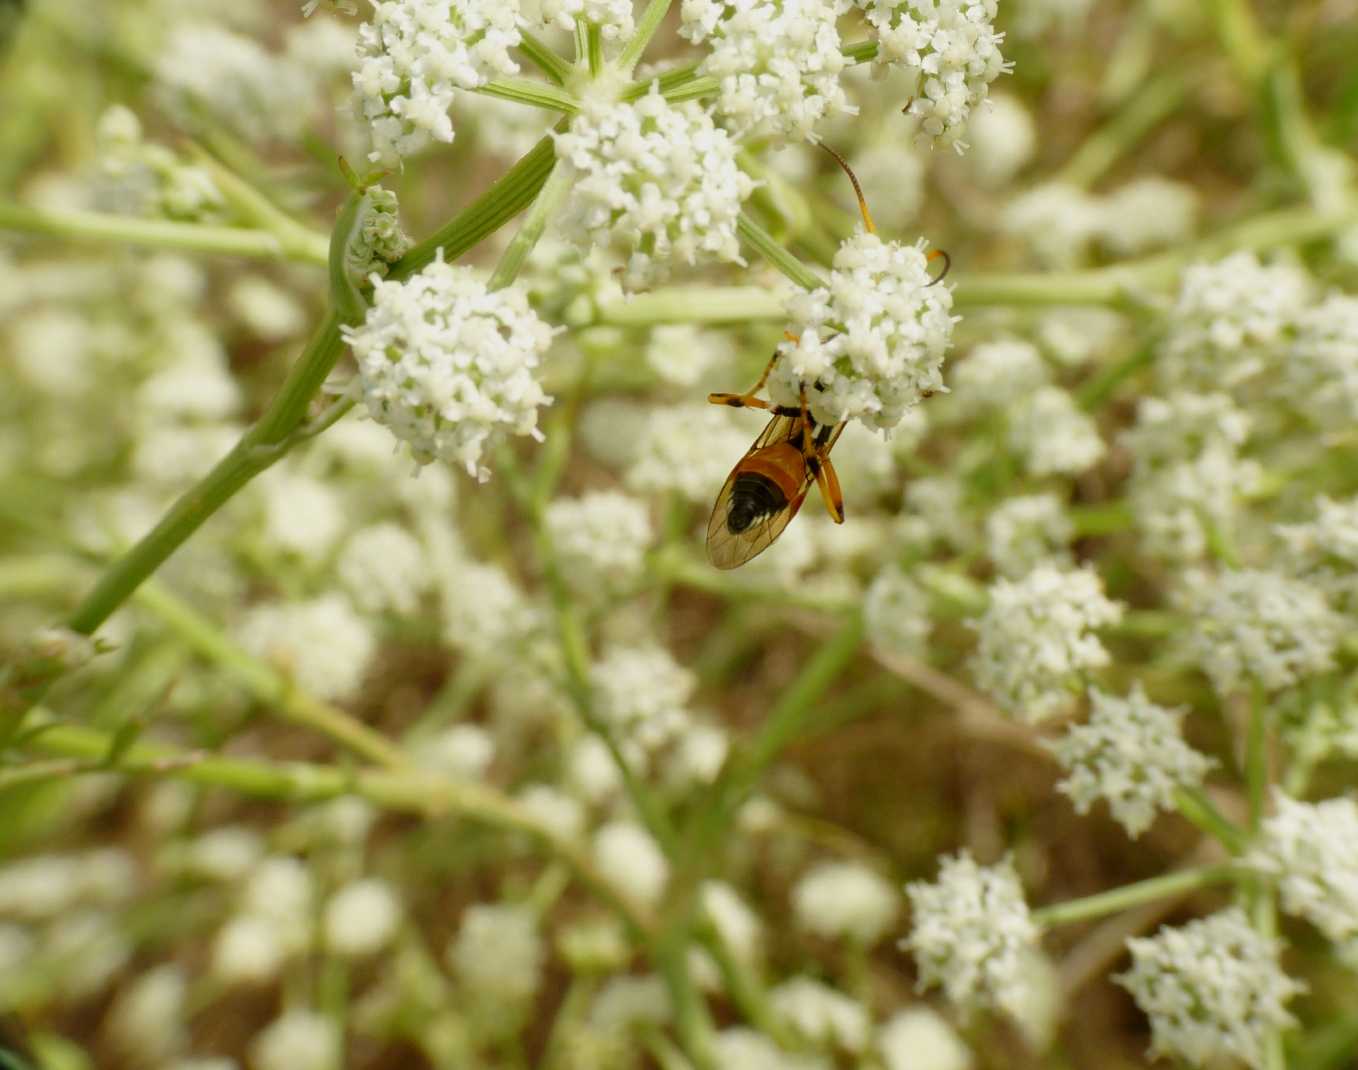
(752, 497)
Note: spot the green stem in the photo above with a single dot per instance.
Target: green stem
(1096, 906)
(544, 57)
(768, 247)
(534, 94)
(651, 18)
(1194, 804)
(301, 246)
(1155, 100)
(692, 304)
(1256, 756)
(530, 230)
(408, 790)
(505, 199)
(250, 204)
(265, 683)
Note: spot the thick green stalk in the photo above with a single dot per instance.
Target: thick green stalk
(530, 230)
(534, 94)
(771, 250)
(544, 57)
(299, 245)
(1199, 809)
(259, 447)
(1096, 906)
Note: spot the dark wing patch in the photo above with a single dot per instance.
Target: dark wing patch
(727, 549)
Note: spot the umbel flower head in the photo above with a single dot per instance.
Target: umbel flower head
(777, 64)
(1212, 989)
(658, 179)
(871, 340)
(1036, 638)
(1130, 752)
(413, 55)
(954, 47)
(445, 363)
(1311, 850)
(971, 933)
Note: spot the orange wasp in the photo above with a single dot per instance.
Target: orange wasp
(767, 486)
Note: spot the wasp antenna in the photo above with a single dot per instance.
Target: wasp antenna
(936, 254)
(857, 189)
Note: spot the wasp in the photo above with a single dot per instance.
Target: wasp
(767, 486)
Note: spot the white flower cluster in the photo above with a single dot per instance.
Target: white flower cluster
(1320, 366)
(1229, 321)
(1212, 989)
(993, 373)
(298, 1040)
(383, 567)
(1149, 212)
(1056, 221)
(821, 1014)
(1003, 140)
(657, 179)
(870, 343)
(445, 363)
(485, 614)
(1311, 851)
(204, 68)
(688, 450)
(498, 951)
(322, 644)
(1054, 435)
(778, 63)
(628, 858)
(1026, 531)
(1258, 626)
(615, 18)
(642, 693)
(1130, 752)
(413, 55)
(600, 539)
(1036, 638)
(953, 46)
(1324, 551)
(971, 933)
(361, 918)
(1188, 475)
(845, 900)
(919, 1038)
(896, 613)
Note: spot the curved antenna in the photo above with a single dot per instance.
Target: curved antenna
(935, 254)
(857, 189)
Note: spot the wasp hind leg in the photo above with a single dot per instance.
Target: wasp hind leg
(748, 400)
(818, 462)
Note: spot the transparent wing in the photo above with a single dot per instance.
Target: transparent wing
(727, 549)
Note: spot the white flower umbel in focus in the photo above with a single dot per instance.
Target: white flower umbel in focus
(298, 1040)
(1311, 851)
(446, 364)
(778, 65)
(323, 645)
(631, 861)
(1132, 753)
(921, 1039)
(1262, 627)
(1229, 322)
(871, 341)
(953, 46)
(896, 613)
(820, 1014)
(655, 179)
(972, 935)
(414, 54)
(1212, 989)
(498, 952)
(1024, 532)
(1320, 369)
(844, 900)
(361, 918)
(1036, 639)
(600, 539)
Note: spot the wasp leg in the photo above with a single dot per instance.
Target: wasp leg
(818, 463)
(748, 400)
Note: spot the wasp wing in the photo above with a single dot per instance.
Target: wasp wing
(727, 549)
